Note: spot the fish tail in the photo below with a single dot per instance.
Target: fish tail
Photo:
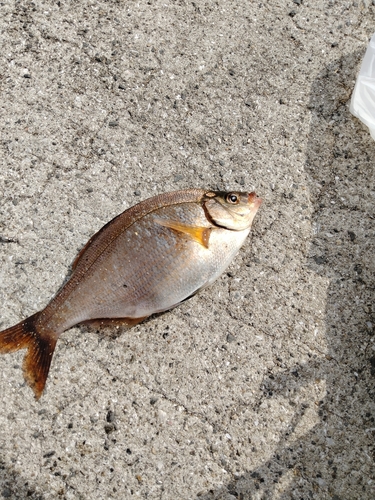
(40, 346)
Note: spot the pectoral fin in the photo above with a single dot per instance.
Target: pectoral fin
(199, 234)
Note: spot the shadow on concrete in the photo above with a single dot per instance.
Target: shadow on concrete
(335, 459)
(14, 486)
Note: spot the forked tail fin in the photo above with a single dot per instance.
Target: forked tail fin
(40, 347)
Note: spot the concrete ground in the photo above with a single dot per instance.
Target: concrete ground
(262, 386)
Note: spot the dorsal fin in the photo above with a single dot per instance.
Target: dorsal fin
(82, 251)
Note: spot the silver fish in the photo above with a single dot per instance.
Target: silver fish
(148, 259)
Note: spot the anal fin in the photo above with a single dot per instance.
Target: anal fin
(197, 233)
(114, 322)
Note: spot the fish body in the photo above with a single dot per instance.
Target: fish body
(148, 259)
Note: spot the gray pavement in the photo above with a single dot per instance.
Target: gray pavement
(262, 386)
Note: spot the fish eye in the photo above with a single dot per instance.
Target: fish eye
(233, 198)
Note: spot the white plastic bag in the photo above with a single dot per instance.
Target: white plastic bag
(363, 99)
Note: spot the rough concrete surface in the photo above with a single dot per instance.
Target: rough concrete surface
(262, 386)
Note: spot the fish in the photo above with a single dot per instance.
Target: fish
(148, 259)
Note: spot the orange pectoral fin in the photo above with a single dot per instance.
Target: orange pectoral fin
(199, 234)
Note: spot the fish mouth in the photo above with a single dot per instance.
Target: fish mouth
(254, 201)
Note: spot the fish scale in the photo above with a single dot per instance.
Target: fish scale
(181, 264)
(148, 259)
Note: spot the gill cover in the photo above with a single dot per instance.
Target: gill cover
(232, 210)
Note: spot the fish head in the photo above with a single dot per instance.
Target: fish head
(232, 210)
